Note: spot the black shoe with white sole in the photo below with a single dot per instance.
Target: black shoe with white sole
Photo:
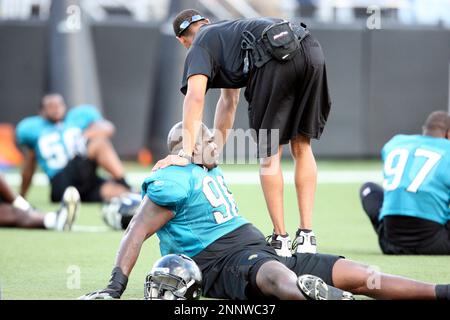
(314, 288)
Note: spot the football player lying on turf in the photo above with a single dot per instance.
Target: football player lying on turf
(15, 211)
(194, 213)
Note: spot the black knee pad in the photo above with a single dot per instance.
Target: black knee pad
(369, 188)
(371, 195)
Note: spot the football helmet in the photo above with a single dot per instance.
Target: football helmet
(118, 212)
(174, 277)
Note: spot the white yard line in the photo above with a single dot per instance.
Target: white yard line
(90, 229)
(240, 177)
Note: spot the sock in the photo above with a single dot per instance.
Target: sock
(305, 230)
(442, 292)
(284, 235)
(281, 235)
(50, 220)
(21, 203)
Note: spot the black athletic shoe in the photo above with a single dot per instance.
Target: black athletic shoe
(314, 288)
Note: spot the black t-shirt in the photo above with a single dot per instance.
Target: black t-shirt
(216, 52)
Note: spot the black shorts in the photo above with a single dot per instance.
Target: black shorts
(423, 237)
(79, 172)
(229, 270)
(400, 234)
(290, 96)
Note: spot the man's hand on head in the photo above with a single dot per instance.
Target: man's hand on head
(171, 160)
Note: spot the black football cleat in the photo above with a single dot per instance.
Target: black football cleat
(314, 288)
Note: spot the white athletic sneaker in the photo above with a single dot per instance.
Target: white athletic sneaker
(281, 244)
(314, 288)
(69, 207)
(305, 242)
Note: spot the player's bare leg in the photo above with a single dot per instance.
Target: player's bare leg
(305, 178)
(112, 189)
(103, 153)
(363, 280)
(272, 184)
(305, 186)
(12, 217)
(275, 279)
(61, 220)
(6, 193)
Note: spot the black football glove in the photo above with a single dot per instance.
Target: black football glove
(104, 294)
(117, 285)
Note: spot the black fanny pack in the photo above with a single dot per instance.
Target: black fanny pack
(278, 41)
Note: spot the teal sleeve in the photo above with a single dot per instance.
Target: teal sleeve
(25, 133)
(164, 191)
(83, 116)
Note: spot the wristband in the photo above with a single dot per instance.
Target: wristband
(183, 154)
(118, 281)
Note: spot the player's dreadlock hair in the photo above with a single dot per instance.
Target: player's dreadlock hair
(185, 15)
(437, 124)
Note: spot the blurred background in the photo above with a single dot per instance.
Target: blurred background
(388, 65)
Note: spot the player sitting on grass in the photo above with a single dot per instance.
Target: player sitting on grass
(15, 211)
(411, 212)
(194, 213)
(69, 147)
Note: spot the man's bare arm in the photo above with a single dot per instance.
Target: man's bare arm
(225, 113)
(149, 218)
(28, 169)
(102, 129)
(193, 106)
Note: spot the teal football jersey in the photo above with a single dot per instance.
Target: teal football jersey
(56, 144)
(203, 207)
(417, 177)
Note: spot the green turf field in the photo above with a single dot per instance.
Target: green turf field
(41, 264)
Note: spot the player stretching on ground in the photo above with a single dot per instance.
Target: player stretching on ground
(194, 213)
(15, 211)
(69, 147)
(411, 214)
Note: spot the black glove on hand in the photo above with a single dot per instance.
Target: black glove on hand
(117, 285)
